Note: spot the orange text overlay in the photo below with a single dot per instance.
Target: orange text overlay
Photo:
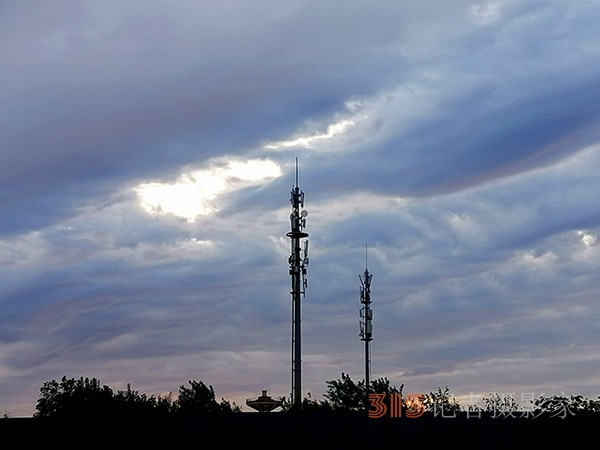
(396, 405)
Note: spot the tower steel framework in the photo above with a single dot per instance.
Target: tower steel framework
(298, 262)
(366, 318)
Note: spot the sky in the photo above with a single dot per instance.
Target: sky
(147, 153)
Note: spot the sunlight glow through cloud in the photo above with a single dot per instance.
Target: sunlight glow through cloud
(588, 239)
(192, 194)
(487, 11)
(305, 141)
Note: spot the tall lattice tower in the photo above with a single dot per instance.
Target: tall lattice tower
(366, 318)
(298, 264)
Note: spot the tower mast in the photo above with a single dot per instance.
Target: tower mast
(298, 262)
(366, 318)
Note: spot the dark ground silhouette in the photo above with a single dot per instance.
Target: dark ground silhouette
(308, 430)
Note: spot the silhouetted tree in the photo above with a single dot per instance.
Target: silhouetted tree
(383, 386)
(312, 405)
(5, 414)
(69, 397)
(347, 395)
(441, 403)
(133, 404)
(199, 399)
(500, 404)
(308, 405)
(564, 407)
(87, 397)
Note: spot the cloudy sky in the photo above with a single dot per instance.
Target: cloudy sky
(147, 152)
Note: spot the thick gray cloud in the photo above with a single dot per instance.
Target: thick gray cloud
(457, 139)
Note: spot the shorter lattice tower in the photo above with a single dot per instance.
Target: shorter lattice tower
(366, 318)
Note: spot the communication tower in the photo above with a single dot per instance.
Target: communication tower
(298, 264)
(366, 317)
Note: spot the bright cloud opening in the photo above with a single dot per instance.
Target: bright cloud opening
(306, 141)
(588, 239)
(193, 194)
(486, 12)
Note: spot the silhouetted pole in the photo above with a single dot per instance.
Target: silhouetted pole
(298, 263)
(366, 318)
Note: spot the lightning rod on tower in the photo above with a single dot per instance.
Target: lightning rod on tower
(298, 262)
(366, 317)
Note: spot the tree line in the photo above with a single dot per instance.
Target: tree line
(88, 397)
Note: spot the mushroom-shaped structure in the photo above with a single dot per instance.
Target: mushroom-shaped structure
(264, 403)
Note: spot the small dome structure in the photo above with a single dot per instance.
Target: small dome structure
(264, 403)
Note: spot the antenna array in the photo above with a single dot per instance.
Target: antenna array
(298, 262)
(366, 317)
